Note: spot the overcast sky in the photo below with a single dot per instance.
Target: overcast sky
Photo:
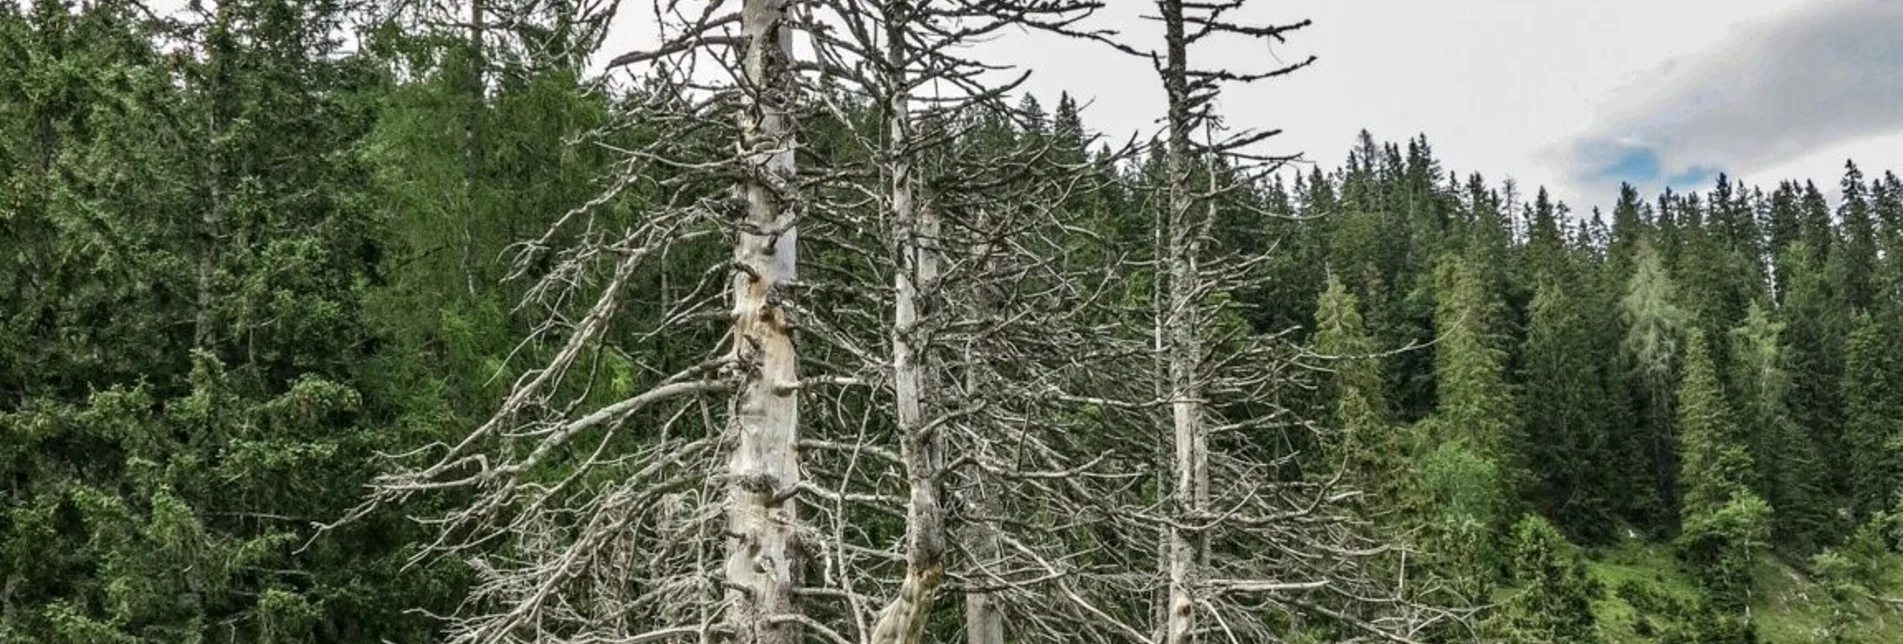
(1576, 95)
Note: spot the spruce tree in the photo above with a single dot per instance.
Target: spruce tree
(1704, 274)
(1815, 323)
(1858, 241)
(1724, 524)
(1814, 225)
(1837, 575)
(198, 247)
(1886, 206)
(1627, 229)
(1783, 228)
(1788, 467)
(1366, 441)
(1561, 399)
(1553, 600)
(1470, 473)
(1873, 413)
(1470, 365)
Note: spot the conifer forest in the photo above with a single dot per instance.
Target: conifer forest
(366, 321)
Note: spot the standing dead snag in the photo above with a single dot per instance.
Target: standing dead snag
(984, 619)
(946, 283)
(593, 520)
(903, 58)
(1247, 543)
(1189, 491)
(914, 231)
(1188, 94)
(763, 553)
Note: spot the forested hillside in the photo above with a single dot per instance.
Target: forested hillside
(328, 322)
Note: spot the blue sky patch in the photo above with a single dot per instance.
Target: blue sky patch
(1695, 177)
(1634, 164)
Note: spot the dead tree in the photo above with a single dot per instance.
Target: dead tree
(901, 59)
(763, 553)
(953, 409)
(593, 519)
(1249, 546)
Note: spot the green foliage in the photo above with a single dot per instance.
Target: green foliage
(1724, 524)
(1470, 366)
(1788, 467)
(1468, 507)
(1815, 326)
(1873, 413)
(1672, 618)
(1654, 321)
(1568, 446)
(1654, 324)
(1873, 549)
(243, 259)
(1369, 442)
(1857, 241)
(1553, 601)
(1836, 574)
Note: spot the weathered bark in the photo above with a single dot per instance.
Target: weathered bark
(916, 230)
(1183, 351)
(984, 617)
(764, 556)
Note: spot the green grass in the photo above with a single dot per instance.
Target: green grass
(1633, 561)
(1787, 606)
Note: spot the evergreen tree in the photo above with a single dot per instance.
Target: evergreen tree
(1873, 418)
(1553, 602)
(1628, 227)
(199, 256)
(1788, 467)
(1814, 225)
(1470, 365)
(1858, 268)
(1469, 473)
(1783, 228)
(1567, 447)
(1669, 228)
(1736, 207)
(1546, 243)
(1725, 525)
(1836, 573)
(1367, 441)
(1594, 236)
(1815, 323)
(1705, 276)
(1886, 206)
(1067, 132)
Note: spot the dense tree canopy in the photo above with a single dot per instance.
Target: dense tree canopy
(252, 251)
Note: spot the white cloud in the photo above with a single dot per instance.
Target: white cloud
(1501, 87)
(1790, 95)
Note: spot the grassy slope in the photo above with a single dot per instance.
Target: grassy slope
(1785, 609)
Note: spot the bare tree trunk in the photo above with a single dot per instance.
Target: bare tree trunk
(916, 231)
(1183, 351)
(764, 556)
(984, 617)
